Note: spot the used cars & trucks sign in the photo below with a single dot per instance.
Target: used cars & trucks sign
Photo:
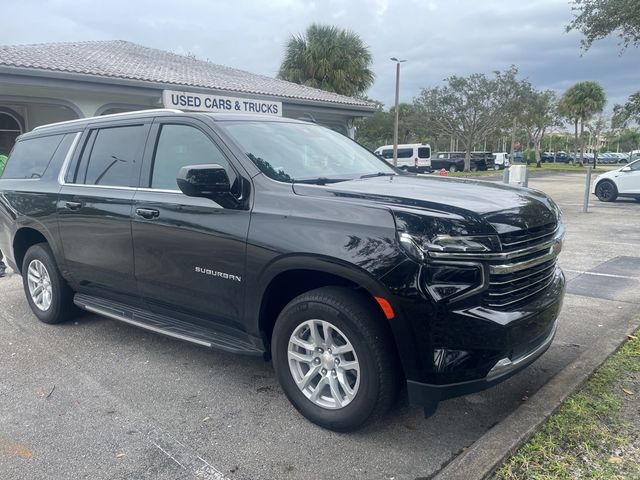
(201, 102)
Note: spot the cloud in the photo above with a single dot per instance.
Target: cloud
(438, 38)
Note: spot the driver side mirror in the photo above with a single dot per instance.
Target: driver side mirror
(209, 181)
(625, 169)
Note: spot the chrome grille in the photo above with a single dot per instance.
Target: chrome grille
(510, 289)
(523, 277)
(527, 237)
(523, 269)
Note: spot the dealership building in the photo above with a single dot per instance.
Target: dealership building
(53, 82)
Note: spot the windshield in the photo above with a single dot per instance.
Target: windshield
(291, 152)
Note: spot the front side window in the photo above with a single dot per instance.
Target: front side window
(30, 157)
(635, 165)
(110, 155)
(178, 146)
(291, 152)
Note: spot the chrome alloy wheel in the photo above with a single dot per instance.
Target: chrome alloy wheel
(39, 283)
(324, 364)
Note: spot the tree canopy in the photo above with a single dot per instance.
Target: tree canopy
(328, 58)
(597, 19)
(470, 108)
(629, 112)
(579, 104)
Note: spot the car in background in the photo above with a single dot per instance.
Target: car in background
(557, 157)
(413, 157)
(607, 158)
(621, 182)
(454, 161)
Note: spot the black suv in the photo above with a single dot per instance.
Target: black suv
(454, 161)
(281, 238)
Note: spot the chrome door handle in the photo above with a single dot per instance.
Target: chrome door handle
(148, 213)
(73, 205)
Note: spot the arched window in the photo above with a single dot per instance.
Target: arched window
(9, 131)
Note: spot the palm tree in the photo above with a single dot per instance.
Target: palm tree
(328, 58)
(579, 104)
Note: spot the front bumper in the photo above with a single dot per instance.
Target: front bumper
(424, 394)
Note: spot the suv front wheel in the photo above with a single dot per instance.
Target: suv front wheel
(333, 358)
(606, 191)
(49, 296)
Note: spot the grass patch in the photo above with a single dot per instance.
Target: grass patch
(555, 167)
(581, 438)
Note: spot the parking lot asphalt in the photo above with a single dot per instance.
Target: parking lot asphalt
(95, 398)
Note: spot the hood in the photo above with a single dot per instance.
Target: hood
(466, 206)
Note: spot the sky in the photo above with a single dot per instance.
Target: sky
(438, 38)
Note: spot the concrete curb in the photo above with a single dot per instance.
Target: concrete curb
(487, 453)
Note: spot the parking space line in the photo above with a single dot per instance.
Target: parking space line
(597, 274)
(184, 456)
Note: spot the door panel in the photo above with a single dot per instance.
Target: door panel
(189, 252)
(95, 206)
(95, 227)
(190, 256)
(629, 182)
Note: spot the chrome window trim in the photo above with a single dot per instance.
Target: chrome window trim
(160, 190)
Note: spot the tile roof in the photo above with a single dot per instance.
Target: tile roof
(129, 61)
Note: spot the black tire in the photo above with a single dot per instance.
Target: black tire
(606, 191)
(453, 168)
(61, 307)
(362, 323)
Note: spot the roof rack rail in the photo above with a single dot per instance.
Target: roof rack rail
(111, 115)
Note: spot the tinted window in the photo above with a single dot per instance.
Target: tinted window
(180, 145)
(402, 153)
(424, 152)
(112, 156)
(635, 165)
(405, 152)
(30, 158)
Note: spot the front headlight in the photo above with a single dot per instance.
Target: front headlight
(466, 244)
(419, 248)
(452, 281)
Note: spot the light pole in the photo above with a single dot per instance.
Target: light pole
(395, 127)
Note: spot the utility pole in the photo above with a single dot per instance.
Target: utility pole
(395, 126)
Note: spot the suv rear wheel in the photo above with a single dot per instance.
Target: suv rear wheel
(49, 296)
(333, 358)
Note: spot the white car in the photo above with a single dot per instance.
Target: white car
(621, 182)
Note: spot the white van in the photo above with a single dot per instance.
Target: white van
(500, 160)
(415, 157)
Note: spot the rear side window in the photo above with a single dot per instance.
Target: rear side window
(424, 152)
(110, 155)
(31, 157)
(404, 152)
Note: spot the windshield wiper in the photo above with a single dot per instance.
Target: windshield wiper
(321, 180)
(379, 174)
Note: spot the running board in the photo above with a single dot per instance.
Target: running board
(205, 335)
